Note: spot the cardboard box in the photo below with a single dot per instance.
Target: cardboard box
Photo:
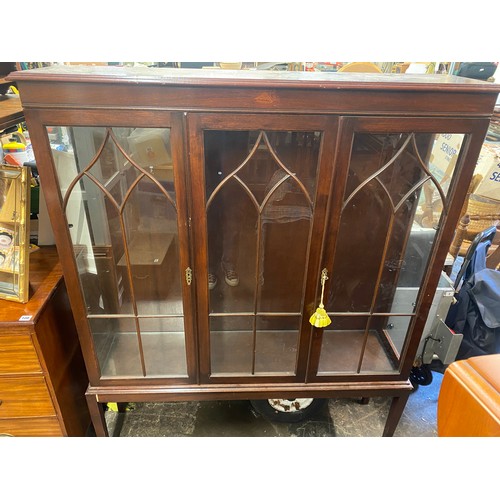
(488, 166)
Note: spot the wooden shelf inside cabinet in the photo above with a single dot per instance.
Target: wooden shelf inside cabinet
(42, 373)
(149, 251)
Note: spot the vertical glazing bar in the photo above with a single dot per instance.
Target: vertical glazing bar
(256, 290)
(132, 293)
(376, 290)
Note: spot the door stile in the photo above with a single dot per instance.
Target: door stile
(182, 180)
(198, 224)
(327, 174)
(340, 167)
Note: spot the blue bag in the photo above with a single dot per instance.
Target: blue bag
(476, 314)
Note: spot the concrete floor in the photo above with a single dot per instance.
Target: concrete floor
(339, 418)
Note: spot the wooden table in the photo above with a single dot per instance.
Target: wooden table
(11, 111)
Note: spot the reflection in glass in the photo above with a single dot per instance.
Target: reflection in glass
(118, 192)
(260, 191)
(396, 186)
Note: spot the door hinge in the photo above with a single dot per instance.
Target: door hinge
(189, 275)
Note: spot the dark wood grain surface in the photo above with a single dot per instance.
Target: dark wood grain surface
(251, 78)
(11, 111)
(45, 274)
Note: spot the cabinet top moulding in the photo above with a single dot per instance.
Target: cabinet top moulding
(202, 89)
(256, 79)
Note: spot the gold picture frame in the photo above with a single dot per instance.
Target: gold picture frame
(14, 232)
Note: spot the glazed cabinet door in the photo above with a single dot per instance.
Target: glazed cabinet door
(391, 222)
(260, 189)
(121, 211)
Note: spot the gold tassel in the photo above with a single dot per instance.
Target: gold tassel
(320, 318)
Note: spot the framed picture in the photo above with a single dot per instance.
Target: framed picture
(14, 232)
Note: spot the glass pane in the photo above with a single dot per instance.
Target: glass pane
(395, 196)
(379, 355)
(442, 159)
(397, 326)
(98, 244)
(164, 346)
(117, 346)
(260, 190)
(351, 339)
(232, 230)
(283, 252)
(363, 226)
(259, 201)
(276, 345)
(231, 344)
(341, 345)
(118, 188)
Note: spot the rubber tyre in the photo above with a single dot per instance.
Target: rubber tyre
(421, 375)
(288, 410)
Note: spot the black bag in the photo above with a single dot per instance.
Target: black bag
(476, 314)
(477, 70)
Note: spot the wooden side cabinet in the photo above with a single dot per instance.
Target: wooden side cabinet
(42, 373)
(198, 213)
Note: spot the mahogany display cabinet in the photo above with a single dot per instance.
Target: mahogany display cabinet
(203, 216)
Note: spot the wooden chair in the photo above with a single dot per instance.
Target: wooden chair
(480, 213)
(493, 257)
(400, 67)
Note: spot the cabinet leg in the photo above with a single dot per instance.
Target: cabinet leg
(97, 415)
(396, 410)
(122, 407)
